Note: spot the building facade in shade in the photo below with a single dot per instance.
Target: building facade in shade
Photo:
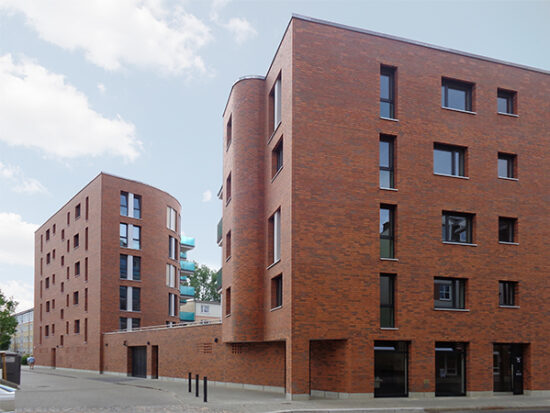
(21, 341)
(99, 266)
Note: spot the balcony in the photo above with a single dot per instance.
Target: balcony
(187, 243)
(187, 291)
(219, 280)
(187, 316)
(187, 266)
(220, 231)
(183, 255)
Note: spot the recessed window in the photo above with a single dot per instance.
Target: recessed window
(124, 204)
(228, 189)
(228, 301)
(172, 247)
(68, 218)
(457, 227)
(449, 293)
(277, 291)
(62, 234)
(124, 235)
(77, 211)
(130, 205)
(53, 229)
(456, 94)
(387, 302)
(137, 206)
(170, 276)
(277, 158)
(75, 298)
(48, 258)
(507, 229)
(506, 165)
(171, 218)
(47, 235)
(228, 245)
(172, 304)
(274, 240)
(387, 161)
(387, 92)
(76, 241)
(449, 160)
(507, 293)
(136, 237)
(387, 236)
(275, 103)
(47, 282)
(228, 133)
(77, 326)
(506, 101)
(130, 298)
(77, 269)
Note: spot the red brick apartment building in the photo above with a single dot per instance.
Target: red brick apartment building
(382, 235)
(100, 265)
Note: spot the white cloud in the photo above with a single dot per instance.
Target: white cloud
(114, 34)
(22, 292)
(207, 196)
(241, 28)
(39, 109)
(101, 87)
(21, 184)
(16, 240)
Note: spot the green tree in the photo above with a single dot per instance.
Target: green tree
(204, 281)
(7, 320)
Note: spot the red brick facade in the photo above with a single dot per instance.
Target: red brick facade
(97, 285)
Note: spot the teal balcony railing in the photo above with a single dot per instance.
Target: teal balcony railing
(183, 255)
(219, 279)
(186, 316)
(188, 266)
(187, 291)
(187, 243)
(220, 230)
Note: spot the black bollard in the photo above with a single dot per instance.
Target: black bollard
(196, 385)
(189, 381)
(205, 388)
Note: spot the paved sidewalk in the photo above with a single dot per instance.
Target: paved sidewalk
(47, 390)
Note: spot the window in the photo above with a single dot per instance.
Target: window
(87, 207)
(47, 306)
(136, 299)
(85, 239)
(124, 204)
(75, 298)
(136, 237)
(48, 258)
(387, 311)
(129, 324)
(457, 227)
(77, 326)
(124, 235)
(62, 235)
(68, 218)
(53, 254)
(275, 103)
(277, 291)
(127, 304)
(62, 314)
(123, 267)
(47, 235)
(506, 101)
(228, 132)
(387, 92)
(47, 282)
(172, 304)
(386, 161)
(205, 308)
(228, 189)
(450, 363)
(456, 94)
(274, 234)
(171, 218)
(136, 268)
(137, 206)
(449, 160)
(228, 246)
(506, 165)
(62, 286)
(86, 269)
(277, 158)
(506, 229)
(228, 301)
(53, 329)
(170, 276)
(172, 247)
(387, 236)
(123, 291)
(76, 241)
(77, 211)
(85, 329)
(53, 304)
(77, 269)
(47, 331)
(507, 293)
(449, 293)
(53, 229)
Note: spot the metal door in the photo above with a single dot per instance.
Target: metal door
(139, 361)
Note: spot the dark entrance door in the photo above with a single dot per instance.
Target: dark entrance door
(450, 377)
(155, 362)
(53, 358)
(508, 368)
(390, 368)
(139, 361)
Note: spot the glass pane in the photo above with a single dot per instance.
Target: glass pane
(502, 104)
(456, 98)
(506, 231)
(123, 266)
(386, 179)
(137, 207)
(136, 299)
(386, 317)
(386, 110)
(385, 92)
(457, 229)
(449, 368)
(386, 248)
(386, 290)
(136, 238)
(502, 367)
(123, 298)
(503, 168)
(124, 204)
(443, 161)
(122, 323)
(385, 222)
(385, 154)
(390, 369)
(136, 268)
(123, 235)
(135, 322)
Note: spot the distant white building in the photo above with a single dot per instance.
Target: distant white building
(21, 341)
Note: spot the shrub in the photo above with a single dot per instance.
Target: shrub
(24, 359)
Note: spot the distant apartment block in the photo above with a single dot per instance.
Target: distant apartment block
(21, 341)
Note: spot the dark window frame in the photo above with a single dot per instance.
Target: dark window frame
(391, 300)
(277, 158)
(389, 72)
(458, 166)
(456, 293)
(390, 140)
(445, 223)
(510, 96)
(510, 165)
(511, 224)
(277, 292)
(391, 229)
(507, 293)
(460, 85)
(124, 199)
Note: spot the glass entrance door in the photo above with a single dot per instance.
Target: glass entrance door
(390, 368)
(450, 371)
(508, 368)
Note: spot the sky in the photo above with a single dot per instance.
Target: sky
(137, 88)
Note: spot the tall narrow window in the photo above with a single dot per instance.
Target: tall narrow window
(76, 241)
(387, 310)
(277, 291)
(124, 204)
(170, 276)
(86, 239)
(387, 236)
(77, 326)
(77, 211)
(171, 218)
(277, 158)
(228, 189)
(124, 235)
(86, 269)
(228, 246)
(172, 247)
(136, 299)
(85, 299)
(387, 92)
(456, 94)
(137, 206)
(136, 268)
(123, 267)
(228, 133)
(274, 234)
(387, 161)
(85, 329)
(172, 304)
(77, 268)
(227, 301)
(277, 103)
(136, 237)
(87, 207)
(123, 292)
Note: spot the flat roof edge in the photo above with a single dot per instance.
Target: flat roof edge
(418, 43)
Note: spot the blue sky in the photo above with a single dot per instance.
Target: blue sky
(137, 88)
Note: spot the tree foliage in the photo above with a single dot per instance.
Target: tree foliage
(7, 320)
(204, 281)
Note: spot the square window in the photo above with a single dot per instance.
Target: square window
(277, 291)
(456, 94)
(387, 161)
(507, 293)
(506, 165)
(457, 227)
(277, 158)
(507, 229)
(387, 92)
(449, 160)
(449, 293)
(506, 101)
(387, 236)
